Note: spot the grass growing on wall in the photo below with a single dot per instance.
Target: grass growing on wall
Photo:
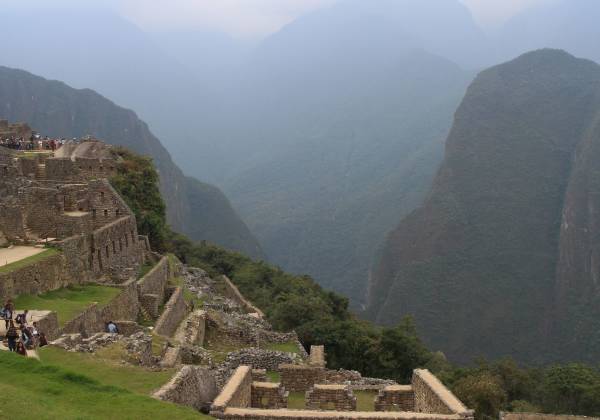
(68, 302)
(33, 390)
(28, 261)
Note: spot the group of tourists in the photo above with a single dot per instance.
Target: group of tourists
(35, 142)
(20, 336)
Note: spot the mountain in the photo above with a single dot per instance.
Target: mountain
(570, 25)
(55, 109)
(97, 49)
(502, 258)
(333, 131)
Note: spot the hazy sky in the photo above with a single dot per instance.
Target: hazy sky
(244, 18)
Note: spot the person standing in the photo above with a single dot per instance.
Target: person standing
(8, 312)
(12, 334)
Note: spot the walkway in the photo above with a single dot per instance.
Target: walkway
(31, 317)
(17, 253)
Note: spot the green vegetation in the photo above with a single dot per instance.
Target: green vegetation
(296, 401)
(290, 347)
(322, 317)
(137, 182)
(30, 389)
(365, 400)
(29, 260)
(145, 269)
(274, 376)
(106, 367)
(68, 302)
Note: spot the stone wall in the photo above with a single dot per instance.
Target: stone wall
(317, 356)
(268, 395)
(115, 251)
(538, 416)
(79, 169)
(431, 396)
(330, 397)
(124, 307)
(175, 310)
(151, 287)
(42, 276)
(395, 398)
(237, 392)
(300, 377)
(192, 386)
(283, 414)
(232, 292)
(49, 326)
(11, 221)
(259, 358)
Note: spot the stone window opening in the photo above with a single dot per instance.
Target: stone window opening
(100, 260)
(126, 242)
(117, 211)
(105, 213)
(114, 247)
(120, 245)
(106, 251)
(101, 195)
(94, 213)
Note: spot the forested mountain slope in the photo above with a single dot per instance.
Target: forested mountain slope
(502, 258)
(334, 129)
(56, 109)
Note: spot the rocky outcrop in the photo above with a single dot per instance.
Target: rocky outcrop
(503, 257)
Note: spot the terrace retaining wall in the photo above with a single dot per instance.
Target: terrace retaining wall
(175, 310)
(237, 392)
(42, 276)
(192, 386)
(431, 396)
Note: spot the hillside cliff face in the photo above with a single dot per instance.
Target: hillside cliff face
(196, 209)
(502, 258)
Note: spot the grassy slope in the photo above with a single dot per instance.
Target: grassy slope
(69, 301)
(29, 389)
(28, 261)
(106, 367)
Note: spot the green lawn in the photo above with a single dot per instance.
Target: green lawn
(106, 367)
(289, 347)
(145, 269)
(33, 390)
(274, 376)
(69, 301)
(364, 400)
(28, 261)
(296, 401)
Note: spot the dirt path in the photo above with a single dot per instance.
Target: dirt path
(17, 253)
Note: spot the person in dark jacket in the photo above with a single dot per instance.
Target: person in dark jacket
(12, 334)
(21, 349)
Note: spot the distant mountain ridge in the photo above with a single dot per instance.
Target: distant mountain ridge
(503, 256)
(53, 108)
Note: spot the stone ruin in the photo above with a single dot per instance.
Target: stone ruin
(65, 200)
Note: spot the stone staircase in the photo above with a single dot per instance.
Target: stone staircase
(40, 171)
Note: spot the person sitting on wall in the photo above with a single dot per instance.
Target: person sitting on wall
(12, 334)
(43, 341)
(111, 327)
(22, 318)
(35, 332)
(26, 337)
(21, 349)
